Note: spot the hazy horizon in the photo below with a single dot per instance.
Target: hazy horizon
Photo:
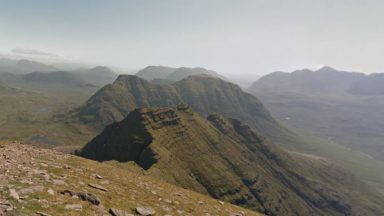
(234, 38)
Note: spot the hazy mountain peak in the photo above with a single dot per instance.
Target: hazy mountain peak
(175, 74)
(101, 70)
(327, 69)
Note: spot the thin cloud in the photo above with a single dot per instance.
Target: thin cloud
(34, 52)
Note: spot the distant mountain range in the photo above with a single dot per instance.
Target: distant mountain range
(341, 106)
(88, 80)
(174, 74)
(23, 66)
(227, 159)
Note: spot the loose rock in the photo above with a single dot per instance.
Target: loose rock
(145, 210)
(7, 206)
(74, 207)
(50, 191)
(118, 212)
(59, 182)
(32, 189)
(42, 214)
(99, 187)
(14, 194)
(83, 196)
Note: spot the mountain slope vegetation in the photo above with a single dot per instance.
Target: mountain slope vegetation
(227, 159)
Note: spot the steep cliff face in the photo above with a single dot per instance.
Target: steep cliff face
(226, 159)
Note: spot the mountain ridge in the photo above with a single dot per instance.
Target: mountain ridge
(204, 94)
(178, 146)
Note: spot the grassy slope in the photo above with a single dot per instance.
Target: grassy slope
(126, 190)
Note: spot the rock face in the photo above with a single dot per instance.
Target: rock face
(226, 159)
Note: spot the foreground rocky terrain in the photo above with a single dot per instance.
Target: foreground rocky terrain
(43, 182)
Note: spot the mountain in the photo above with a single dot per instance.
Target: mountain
(206, 95)
(37, 181)
(54, 78)
(99, 76)
(175, 74)
(155, 72)
(57, 82)
(203, 93)
(23, 66)
(340, 106)
(227, 159)
(326, 80)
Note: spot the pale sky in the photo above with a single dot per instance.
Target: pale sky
(232, 37)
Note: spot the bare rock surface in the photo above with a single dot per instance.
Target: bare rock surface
(145, 210)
